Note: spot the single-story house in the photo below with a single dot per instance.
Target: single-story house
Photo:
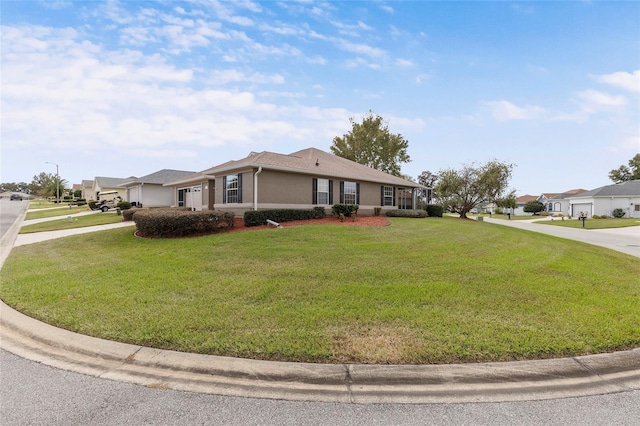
(109, 185)
(87, 189)
(554, 202)
(521, 201)
(148, 191)
(604, 200)
(301, 180)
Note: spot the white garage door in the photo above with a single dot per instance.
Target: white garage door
(576, 209)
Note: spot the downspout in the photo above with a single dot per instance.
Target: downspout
(255, 188)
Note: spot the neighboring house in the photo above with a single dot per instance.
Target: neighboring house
(554, 202)
(521, 201)
(87, 189)
(604, 200)
(559, 203)
(108, 185)
(301, 180)
(148, 191)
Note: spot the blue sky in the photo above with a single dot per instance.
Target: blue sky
(124, 88)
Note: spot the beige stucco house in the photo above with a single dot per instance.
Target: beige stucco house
(149, 190)
(301, 180)
(109, 187)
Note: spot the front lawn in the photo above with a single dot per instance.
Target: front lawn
(59, 211)
(437, 290)
(76, 222)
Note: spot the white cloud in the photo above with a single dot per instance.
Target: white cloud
(594, 100)
(506, 111)
(234, 76)
(624, 80)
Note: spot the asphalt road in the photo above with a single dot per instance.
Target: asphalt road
(35, 394)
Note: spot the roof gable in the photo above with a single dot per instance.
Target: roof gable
(625, 189)
(160, 177)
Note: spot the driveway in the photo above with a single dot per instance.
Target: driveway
(625, 240)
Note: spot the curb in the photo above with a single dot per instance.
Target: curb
(343, 383)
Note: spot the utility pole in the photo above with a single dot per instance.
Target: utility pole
(57, 182)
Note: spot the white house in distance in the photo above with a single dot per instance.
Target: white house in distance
(148, 191)
(604, 200)
(554, 202)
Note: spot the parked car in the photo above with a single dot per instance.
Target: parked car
(16, 197)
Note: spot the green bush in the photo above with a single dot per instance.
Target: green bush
(348, 210)
(260, 217)
(406, 213)
(124, 205)
(128, 214)
(618, 213)
(434, 210)
(171, 223)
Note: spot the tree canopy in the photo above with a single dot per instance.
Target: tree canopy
(461, 190)
(627, 173)
(533, 207)
(372, 144)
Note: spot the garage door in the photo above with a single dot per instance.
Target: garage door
(576, 209)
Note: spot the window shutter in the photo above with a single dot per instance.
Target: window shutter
(314, 191)
(382, 195)
(224, 190)
(357, 193)
(394, 196)
(330, 191)
(239, 187)
(342, 191)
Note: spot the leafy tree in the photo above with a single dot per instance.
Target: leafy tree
(370, 143)
(508, 202)
(624, 173)
(533, 207)
(39, 184)
(428, 179)
(15, 187)
(57, 183)
(462, 190)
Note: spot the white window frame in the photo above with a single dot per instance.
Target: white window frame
(323, 192)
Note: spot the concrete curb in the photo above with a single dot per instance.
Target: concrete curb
(8, 239)
(344, 383)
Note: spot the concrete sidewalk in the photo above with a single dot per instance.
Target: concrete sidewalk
(36, 237)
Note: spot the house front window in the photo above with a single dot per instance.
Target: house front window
(387, 195)
(232, 189)
(350, 193)
(550, 207)
(323, 191)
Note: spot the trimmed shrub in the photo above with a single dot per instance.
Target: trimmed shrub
(260, 217)
(128, 214)
(124, 205)
(347, 210)
(618, 213)
(434, 210)
(406, 213)
(172, 223)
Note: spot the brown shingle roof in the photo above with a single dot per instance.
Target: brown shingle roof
(315, 162)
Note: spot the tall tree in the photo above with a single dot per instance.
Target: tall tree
(462, 190)
(624, 173)
(372, 144)
(428, 179)
(40, 182)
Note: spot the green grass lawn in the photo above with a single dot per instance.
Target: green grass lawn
(60, 211)
(592, 223)
(42, 204)
(76, 222)
(419, 291)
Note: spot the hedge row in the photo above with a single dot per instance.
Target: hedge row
(406, 213)
(260, 217)
(434, 210)
(171, 223)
